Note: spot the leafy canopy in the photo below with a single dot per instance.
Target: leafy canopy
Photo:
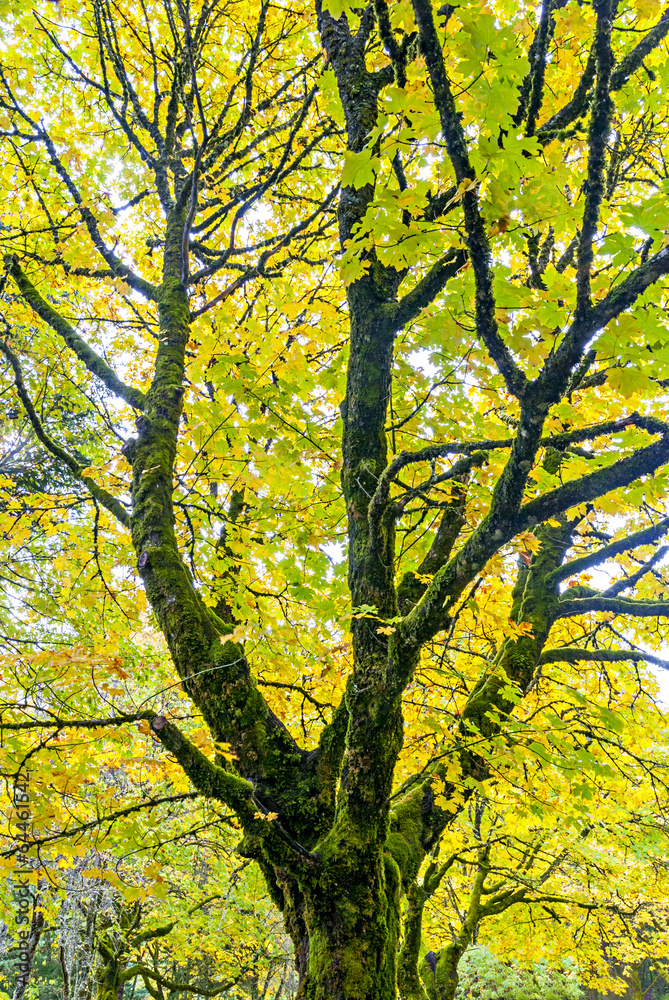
(334, 458)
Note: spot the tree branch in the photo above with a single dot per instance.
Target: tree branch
(477, 241)
(100, 821)
(209, 779)
(55, 722)
(430, 615)
(644, 537)
(576, 107)
(121, 270)
(426, 290)
(266, 834)
(598, 136)
(621, 473)
(540, 45)
(619, 77)
(631, 581)
(172, 987)
(613, 605)
(634, 59)
(95, 364)
(571, 654)
(557, 370)
(106, 499)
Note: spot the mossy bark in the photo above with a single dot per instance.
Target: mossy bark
(109, 980)
(111, 960)
(410, 985)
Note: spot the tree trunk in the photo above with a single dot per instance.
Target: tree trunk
(636, 987)
(345, 924)
(108, 974)
(408, 978)
(27, 952)
(354, 922)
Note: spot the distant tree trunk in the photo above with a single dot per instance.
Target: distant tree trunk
(108, 976)
(636, 989)
(27, 953)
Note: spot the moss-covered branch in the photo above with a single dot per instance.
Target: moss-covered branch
(213, 668)
(559, 367)
(625, 294)
(589, 433)
(57, 724)
(395, 51)
(628, 65)
(380, 496)
(598, 137)
(208, 778)
(104, 498)
(634, 59)
(95, 364)
(572, 654)
(431, 613)
(417, 821)
(539, 52)
(477, 240)
(614, 605)
(164, 929)
(535, 601)
(597, 484)
(265, 836)
(170, 986)
(107, 820)
(576, 107)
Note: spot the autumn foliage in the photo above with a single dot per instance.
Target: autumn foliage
(333, 485)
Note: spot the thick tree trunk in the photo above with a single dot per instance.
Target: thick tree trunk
(108, 979)
(351, 928)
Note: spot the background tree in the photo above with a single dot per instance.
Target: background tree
(501, 224)
(568, 892)
(114, 923)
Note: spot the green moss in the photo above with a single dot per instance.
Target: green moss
(405, 840)
(408, 978)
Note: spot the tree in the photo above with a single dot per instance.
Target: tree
(566, 891)
(121, 924)
(501, 223)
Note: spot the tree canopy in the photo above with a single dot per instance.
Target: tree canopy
(333, 486)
